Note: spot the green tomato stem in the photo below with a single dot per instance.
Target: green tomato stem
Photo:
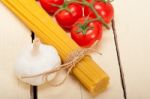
(91, 6)
(98, 17)
(62, 7)
(85, 3)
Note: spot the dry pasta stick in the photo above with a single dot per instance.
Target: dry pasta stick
(86, 71)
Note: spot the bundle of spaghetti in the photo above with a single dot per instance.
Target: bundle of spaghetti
(94, 79)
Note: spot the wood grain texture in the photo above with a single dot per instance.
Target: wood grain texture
(71, 89)
(13, 37)
(109, 62)
(133, 30)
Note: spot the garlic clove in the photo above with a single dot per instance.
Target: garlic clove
(29, 64)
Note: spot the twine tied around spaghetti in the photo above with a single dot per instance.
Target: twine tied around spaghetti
(70, 62)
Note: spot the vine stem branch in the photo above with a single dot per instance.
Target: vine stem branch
(91, 6)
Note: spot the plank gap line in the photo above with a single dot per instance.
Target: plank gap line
(119, 60)
(33, 92)
(33, 89)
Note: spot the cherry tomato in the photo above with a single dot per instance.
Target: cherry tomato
(47, 5)
(67, 18)
(89, 34)
(104, 9)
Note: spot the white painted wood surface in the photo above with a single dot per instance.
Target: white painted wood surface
(20, 36)
(132, 25)
(13, 37)
(133, 30)
(108, 61)
(71, 89)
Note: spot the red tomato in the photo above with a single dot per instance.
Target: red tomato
(47, 5)
(66, 19)
(104, 9)
(90, 36)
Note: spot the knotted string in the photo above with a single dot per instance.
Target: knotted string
(74, 58)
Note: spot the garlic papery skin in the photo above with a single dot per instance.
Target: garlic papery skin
(45, 58)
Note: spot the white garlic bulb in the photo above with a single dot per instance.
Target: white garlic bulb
(35, 59)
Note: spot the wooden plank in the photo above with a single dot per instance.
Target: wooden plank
(66, 91)
(69, 90)
(13, 37)
(109, 62)
(133, 30)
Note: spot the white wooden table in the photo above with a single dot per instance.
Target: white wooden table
(125, 48)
